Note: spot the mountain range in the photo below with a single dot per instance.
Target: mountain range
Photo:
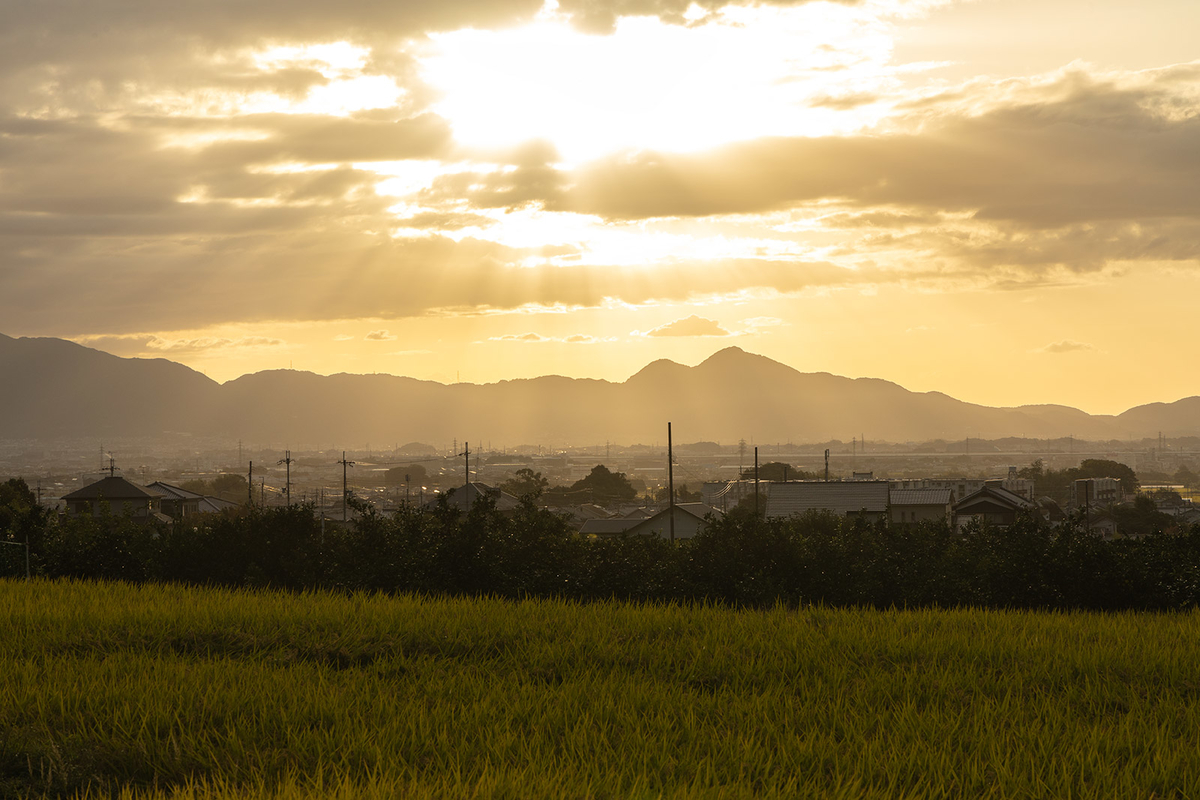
(56, 388)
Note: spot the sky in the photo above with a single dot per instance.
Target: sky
(996, 199)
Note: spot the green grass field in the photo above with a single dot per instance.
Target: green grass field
(112, 689)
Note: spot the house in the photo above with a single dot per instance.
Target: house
(120, 496)
(909, 506)
(858, 499)
(689, 521)
(462, 498)
(991, 505)
(215, 505)
(175, 501)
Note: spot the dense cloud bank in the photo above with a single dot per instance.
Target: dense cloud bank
(148, 144)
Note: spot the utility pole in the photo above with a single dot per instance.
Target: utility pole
(827, 465)
(287, 459)
(671, 482)
(756, 482)
(466, 453)
(250, 485)
(345, 490)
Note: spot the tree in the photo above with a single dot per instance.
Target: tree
(414, 474)
(682, 495)
(1034, 472)
(602, 486)
(778, 471)
(1186, 476)
(525, 483)
(1102, 468)
(230, 486)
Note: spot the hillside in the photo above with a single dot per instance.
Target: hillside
(57, 388)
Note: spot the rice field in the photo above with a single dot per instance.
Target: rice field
(110, 689)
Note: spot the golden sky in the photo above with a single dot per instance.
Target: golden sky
(997, 199)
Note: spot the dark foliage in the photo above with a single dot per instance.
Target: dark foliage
(741, 559)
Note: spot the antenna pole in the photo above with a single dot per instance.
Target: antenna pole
(671, 482)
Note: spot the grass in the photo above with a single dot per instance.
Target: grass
(166, 691)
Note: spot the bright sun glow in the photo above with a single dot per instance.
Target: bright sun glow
(745, 73)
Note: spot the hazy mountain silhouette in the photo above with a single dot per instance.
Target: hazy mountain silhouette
(52, 387)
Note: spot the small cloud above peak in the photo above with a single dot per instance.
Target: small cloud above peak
(1065, 346)
(688, 326)
(382, 335)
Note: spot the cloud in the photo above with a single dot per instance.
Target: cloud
(145, 344)
(1099, 152)
(576, 338)
(380, 336)
(343, 337)
(756, 323)
(1065, 346)
(688, 326)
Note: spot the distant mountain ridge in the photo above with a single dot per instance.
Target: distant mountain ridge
(56, 388)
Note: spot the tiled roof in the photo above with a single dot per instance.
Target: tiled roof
(173, 492)
(840, 497)
(607, 527)
(699, 510)
(111, 488)
(211, 505)
(996, 494)
(920, 497)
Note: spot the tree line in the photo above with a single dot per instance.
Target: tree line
(741, 559)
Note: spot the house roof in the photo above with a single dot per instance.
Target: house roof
(211, 505)
(650, 525)
(112, 488)
(170, 492)
(840, 497)
(607, 527)
(463, 497)
(699, 510)
(992, 495)
(920, 497)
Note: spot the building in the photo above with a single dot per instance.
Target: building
(962, 487)
(910, 506)
(992, 505)
(120, 496)
(461, 498)
(857, 499)
(689, 521)
(175, 501)
(1098, 492)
